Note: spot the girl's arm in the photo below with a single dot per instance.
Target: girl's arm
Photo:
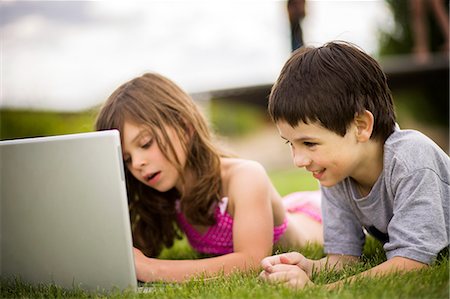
(249, 191)
(151, 269)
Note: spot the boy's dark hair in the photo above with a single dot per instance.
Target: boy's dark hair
(330, 85)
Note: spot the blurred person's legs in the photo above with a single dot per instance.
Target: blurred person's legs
(296, 12)
(421, 48)
(443, 21)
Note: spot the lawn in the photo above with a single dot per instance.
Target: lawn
(432, 282)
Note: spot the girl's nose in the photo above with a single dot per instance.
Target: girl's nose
(139, 162)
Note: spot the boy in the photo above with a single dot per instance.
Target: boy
(334, 108)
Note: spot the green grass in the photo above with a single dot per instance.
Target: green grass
(432, 282)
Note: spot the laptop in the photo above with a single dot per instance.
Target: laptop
(64, 212)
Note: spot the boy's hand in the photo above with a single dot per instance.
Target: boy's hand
(291, 268)
(290, 258)
(290, 275)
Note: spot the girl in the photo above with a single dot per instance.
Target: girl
(177, 179)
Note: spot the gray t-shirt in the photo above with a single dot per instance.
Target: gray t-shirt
(407, 208)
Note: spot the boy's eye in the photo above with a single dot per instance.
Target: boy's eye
(309, 144)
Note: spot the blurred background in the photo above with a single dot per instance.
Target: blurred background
(61, 59)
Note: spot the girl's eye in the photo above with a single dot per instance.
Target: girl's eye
(147, 144)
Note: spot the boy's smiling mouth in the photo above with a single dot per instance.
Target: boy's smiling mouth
(317, 174)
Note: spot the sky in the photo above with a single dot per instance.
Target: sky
(71, 55)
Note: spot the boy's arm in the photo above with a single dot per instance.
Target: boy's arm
(395, 264)
(332, 262)
(294, 270)
(277, 263)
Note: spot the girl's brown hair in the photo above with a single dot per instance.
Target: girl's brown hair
(156, 102)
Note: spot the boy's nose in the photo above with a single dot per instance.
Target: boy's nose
(301, 160)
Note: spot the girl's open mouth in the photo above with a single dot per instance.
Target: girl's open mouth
(153, 178)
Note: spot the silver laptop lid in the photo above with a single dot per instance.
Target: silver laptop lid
(64, 211)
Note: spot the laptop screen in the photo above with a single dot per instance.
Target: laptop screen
(64, 212)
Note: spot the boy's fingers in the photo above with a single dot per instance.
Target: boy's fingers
(284, 268)
(291, 258)
(268, 262)
(277, 277)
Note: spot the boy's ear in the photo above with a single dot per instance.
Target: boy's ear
(364, 125)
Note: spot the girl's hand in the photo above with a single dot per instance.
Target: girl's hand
(144, 271)
(289, 275)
